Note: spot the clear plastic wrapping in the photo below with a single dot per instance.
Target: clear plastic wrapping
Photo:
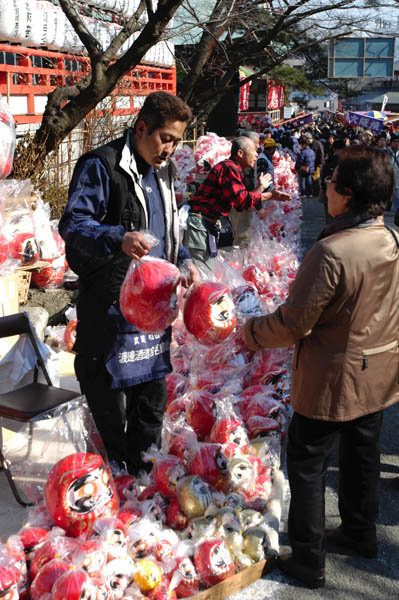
(7, 137)
(148, 294)
(209, 312)
(33, 448)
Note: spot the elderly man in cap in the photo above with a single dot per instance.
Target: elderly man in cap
(318, 149)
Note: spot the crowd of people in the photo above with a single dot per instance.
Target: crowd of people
(316, 148)
(341, 311)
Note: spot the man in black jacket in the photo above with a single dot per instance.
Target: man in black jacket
(116, 192)
(327, 170)
(318, 149)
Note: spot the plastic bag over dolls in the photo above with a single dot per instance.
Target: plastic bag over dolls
(43, 231)
(194, 495)
(9, 577)
(210, 462)
(62, 337)
(228, 427)
(213, 561)
(166, 471)
(148, 298)
(229, 268)
(57, 545)
(61, 430)
(185, 580)
(17, 238)
(7, 138)
(51, 249)
(73, 585)
(178, 437)
(12, 555)
(209, 150)
(111, 533)
(42, 584)
(200, 412)
(209, 312)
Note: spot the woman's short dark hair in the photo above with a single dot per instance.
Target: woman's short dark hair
(161, 107)
(365, 173)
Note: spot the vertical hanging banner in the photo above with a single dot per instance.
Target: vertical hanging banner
(272, 95)
(243, 73)
(384, 102)
(275, 95)
(281, 96)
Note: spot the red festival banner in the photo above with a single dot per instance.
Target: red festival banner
(281, 96)
(244, 96)
(275, 95)
(244, 72)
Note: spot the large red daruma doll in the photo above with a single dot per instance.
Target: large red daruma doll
(79, 490)
(148, 294)
(209, 312)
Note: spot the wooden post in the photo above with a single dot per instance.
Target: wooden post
(8, 86)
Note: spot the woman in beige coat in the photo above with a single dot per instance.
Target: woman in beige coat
(342, 314)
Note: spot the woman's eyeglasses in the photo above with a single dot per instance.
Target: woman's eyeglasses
(329, 180)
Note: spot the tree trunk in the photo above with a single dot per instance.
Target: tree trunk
(67, 106)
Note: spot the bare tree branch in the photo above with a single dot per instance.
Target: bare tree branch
(233, 33)
(90, 43)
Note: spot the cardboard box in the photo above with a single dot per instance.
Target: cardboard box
(9, 305)
(237, 582)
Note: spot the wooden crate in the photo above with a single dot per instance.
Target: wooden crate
(237, 582)
(24, 275)
(24, 278)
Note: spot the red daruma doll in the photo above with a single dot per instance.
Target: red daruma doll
(79, 490)
(9, 577)
(148, 294)
(209, 312)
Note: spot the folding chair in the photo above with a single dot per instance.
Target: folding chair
(30, 402)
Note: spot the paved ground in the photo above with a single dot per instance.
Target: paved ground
(348, 577)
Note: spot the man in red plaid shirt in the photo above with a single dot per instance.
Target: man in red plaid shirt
(222, 190)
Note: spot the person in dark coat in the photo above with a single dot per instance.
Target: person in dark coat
(118, 191)
(342, 315)
(304, 166)
(318, 149)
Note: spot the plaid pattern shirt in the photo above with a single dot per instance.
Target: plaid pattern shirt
(222, 190)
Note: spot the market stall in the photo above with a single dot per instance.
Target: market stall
(205, 520)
